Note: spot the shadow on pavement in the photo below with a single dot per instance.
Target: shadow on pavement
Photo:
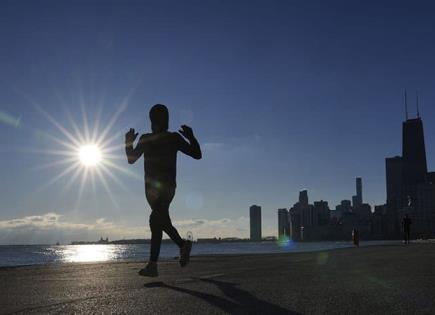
(245, 302)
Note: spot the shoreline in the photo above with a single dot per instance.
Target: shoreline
(175, 258)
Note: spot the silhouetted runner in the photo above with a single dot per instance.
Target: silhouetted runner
(406, 223)
(160, 161)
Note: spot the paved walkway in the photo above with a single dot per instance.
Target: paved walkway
(371, 280)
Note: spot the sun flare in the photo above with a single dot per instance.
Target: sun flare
(88, 152)
(90, 155)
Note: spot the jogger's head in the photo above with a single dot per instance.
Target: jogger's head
(159, 117)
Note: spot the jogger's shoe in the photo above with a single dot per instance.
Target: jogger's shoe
(185, 253)
(150, 270)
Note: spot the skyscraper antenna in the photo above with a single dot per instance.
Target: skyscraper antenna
(418, 112)
(406, 107)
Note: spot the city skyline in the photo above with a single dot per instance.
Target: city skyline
(282, 97)
(410, 198)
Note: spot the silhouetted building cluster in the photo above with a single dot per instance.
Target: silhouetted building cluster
(100, 241)
(410, 187)
(303, 216)
(410, 191)
(318, 222)
(305, 221)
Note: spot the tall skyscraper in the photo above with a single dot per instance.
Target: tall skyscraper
(410, 188)
(283, 223)
(414, 167)
(255, 222)
(359, 196)
(357, 199)
(413, 152)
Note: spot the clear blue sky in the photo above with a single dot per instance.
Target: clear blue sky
(282, 95)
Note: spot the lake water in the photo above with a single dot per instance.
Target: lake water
(18, 255)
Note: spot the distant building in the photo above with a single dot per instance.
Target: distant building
(363, 212)
(303, 198)
(344, 207)
(335, 214)
(410, 187)
(393, 172)
(359, 190)
(413, 153)
(357, 200)
(304, 209)
(354, 201)
(421, 210)
(303, 215)
(414, 167)
(103, 241)
(379, 222)
(255, 223)
(321, 213)
(347, 217)
(346, 203)
(283, 223)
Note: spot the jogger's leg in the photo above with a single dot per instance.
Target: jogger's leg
(185, 246)
(156, 237)
(164, 203)
(172, 232)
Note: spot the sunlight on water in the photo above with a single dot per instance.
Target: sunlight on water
(11, 255)
(89, 253)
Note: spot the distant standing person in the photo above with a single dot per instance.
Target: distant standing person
(406, 223)
(355, 237)
(160, 149)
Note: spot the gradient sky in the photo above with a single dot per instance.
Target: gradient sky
(282, 95)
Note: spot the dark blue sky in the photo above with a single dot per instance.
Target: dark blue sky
(283, 95)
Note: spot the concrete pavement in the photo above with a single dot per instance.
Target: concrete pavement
(370, 280)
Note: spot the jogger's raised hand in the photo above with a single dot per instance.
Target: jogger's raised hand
(130, 136)
(187, 132)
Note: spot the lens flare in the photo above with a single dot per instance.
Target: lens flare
(10, 120)
(90, 155)
(322, 258)
(285, 242)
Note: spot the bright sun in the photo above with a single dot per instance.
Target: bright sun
(90, 155)
(88, 152)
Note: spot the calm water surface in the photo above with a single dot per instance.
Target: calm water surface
(17, 255)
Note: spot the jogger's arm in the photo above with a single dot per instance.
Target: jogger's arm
(192, 147)
(133, 154)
